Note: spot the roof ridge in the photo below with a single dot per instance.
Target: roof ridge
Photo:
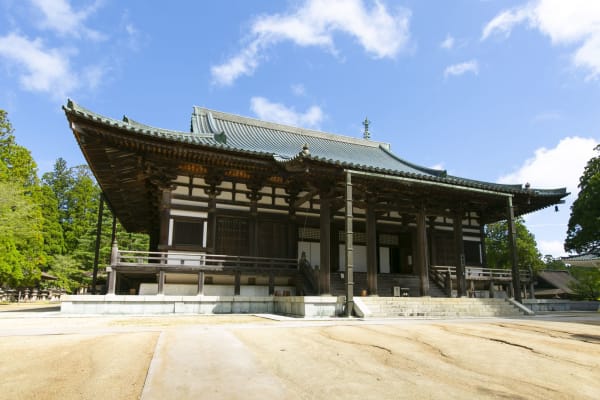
(291, 129)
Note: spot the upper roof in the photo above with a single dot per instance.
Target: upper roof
(210, 128)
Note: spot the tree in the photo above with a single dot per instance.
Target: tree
(497, 251)
(587, 286)
(21, 219)
(583, 232)
(554, 264)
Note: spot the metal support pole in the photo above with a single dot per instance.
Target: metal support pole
(98, 239)
(349, 248)
(512, 248)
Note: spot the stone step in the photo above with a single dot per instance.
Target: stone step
(438, 307)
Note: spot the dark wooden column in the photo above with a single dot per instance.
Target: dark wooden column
(512, 248)
(325, 242)
(371, 233)
(421, 253)
(237, 283)
(253, 228)
(165, 216)
(213, 179)
(461, 284)
(254, 196)
(432, 244)
(211, 229)
(349, 231)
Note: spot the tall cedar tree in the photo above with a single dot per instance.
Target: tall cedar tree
(583, 232)
(21, 220)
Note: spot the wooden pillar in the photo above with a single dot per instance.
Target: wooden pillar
(200, 291)
(161, 282)
(114, 260)
(97, 247)
(349, 276)
(165, 216)
(211, 240)
(371, 232)
(112, 281)
(421, 254)
(271, 283)
(253, 228)
(237, 283)
(325, 247)
(460, 254)
(512, 249)
(431, 242)
(492, 291)
(292, 250)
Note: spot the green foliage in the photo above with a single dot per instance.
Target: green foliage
(587, 286)
(50, 224)
(497, 251)
(21, 219)
(70, 276)
(553, 264)
(583, 232)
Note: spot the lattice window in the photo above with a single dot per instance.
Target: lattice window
(188, 233)
(385, 239)
(357, 237)
(311, 234)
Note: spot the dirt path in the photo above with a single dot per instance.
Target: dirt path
(50, 356)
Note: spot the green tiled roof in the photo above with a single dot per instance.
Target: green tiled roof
(284, 144)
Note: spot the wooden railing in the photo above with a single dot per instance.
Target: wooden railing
(200, 261)
(439, 272)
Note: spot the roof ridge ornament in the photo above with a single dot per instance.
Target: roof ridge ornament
(366, 133)
(305, 151)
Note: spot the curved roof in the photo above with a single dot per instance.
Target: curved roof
(284, 144)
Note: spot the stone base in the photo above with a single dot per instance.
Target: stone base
(301, 306)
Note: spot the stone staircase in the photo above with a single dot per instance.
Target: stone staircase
(431, 307)
(385, 284)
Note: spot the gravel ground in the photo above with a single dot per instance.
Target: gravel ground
(46, 355)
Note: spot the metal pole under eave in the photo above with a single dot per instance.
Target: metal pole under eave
(349, 248)
(98, 238)
(512, 248)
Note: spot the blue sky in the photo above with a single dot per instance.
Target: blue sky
(502, 91)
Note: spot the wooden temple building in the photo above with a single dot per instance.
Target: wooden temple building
(243, 207)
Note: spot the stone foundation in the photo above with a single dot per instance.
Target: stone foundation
(301, 306)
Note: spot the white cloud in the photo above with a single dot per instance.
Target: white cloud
(552, 247)
(298, 89)
(381, 33)
(462, 68)
(557, 167)
(573, 22)
(546, 116)
(447, 43)
(277, 112)
(59, 17)
(560, 166)
(44, 70)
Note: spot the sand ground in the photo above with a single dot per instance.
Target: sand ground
(46, 355)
